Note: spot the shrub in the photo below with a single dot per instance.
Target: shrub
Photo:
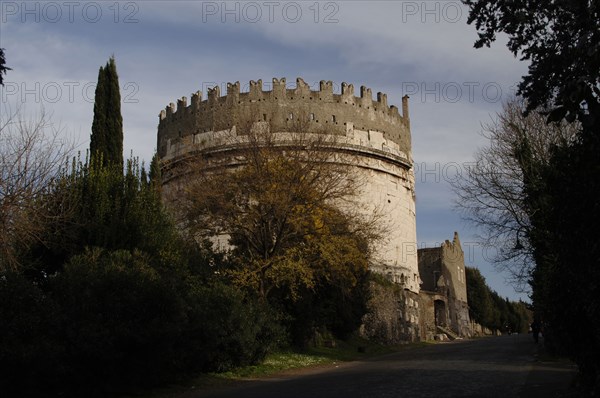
(31, 352)
(110, 322)
(226, 329)
(120, 320)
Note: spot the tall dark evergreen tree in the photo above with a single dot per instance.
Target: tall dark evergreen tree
(106, 140)
(561, 39)
(3, 67)
(155, 174)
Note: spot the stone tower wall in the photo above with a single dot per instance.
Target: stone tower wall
(442, 271)
(375, 134)
(454, 262)
(454, 270)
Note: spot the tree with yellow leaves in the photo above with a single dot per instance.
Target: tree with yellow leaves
(289, 213)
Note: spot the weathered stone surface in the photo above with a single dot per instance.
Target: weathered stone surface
(444, 288)
(375, 134)
(393, 316)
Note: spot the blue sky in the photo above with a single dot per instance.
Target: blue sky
(169, 49)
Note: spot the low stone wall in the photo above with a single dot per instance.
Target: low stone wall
(479, 330)
(393, 316)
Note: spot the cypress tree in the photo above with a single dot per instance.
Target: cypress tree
(3, 67)
(106, 142)
(155, 174)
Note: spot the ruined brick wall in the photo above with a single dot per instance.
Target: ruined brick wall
(393, 315)
(430, 268)
(428, 313)
(442, 271)
(453, 261)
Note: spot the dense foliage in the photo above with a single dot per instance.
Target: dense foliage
(565, 281)
(117, 301)
(561, 39)
(488, 309)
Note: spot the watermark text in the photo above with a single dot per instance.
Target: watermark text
(269, 11)
(69, 11)
(432, 11)
(53, 92)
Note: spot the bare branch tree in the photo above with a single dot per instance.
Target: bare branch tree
(490, 195)
(32, 153)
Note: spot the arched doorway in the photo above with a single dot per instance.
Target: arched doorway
(440, 313)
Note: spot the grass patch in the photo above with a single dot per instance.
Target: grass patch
(275, 363)
(353, 349)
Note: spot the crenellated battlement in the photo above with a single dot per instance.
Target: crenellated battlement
(282, 107)
(280, 92)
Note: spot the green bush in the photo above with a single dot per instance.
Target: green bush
(31, 352)
(109, 322)
(120, 320)
(226, 329)
(112, 299)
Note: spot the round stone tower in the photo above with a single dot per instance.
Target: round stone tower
(376, 135)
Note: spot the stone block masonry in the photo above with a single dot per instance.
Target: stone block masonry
(375, 134)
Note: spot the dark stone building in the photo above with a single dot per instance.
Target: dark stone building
(443, 294)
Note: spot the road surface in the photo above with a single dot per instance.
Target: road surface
(491, 367)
